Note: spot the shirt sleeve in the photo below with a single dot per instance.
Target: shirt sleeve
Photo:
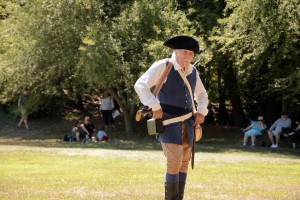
(201, 97)
(298, 127)
(149, 79)
(20, 100)
(289, 123)
(264, 126)
(274, 125)
(112, 103)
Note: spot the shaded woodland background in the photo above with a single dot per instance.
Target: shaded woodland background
(68, 52)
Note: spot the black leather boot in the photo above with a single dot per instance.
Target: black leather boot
(171, 191)
(181, 190)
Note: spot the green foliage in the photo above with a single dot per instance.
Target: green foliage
(262, 32)
(81, 45)
(255, 40)
(123, 49)
(203, 14)
(46, 54)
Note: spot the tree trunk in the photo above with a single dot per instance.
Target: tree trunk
(127, 117)
(285, 103)
(222, 116)
(128, 123)
(79, 102)
(234, 94)
(271, 109)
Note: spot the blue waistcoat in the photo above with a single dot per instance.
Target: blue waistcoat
(175, 101)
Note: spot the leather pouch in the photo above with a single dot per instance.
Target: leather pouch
(155, 126)
(198, 133)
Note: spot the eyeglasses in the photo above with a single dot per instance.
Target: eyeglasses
(260, 120)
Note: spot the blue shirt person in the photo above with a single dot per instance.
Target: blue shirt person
(256, 128)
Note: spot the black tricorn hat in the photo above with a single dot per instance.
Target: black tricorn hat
(183, 42)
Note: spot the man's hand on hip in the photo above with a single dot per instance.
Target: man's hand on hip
(157, 114)
(199, 119)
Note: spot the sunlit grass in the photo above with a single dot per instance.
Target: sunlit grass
(92, 172)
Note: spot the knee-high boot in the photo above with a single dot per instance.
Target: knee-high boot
(171, 191)
(181, 190)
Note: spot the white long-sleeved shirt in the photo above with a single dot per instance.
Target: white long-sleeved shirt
(107, 103)
(281, 123)
(151, 78)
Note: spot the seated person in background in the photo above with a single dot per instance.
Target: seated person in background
(253, 130)
(295, 136)
(101, 135)
(276, 129)
(88, 128)
(77, 132)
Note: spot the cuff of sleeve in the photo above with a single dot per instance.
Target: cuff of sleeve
(202, 111)
(156, 107)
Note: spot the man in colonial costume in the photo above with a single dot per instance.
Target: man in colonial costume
(173, 101)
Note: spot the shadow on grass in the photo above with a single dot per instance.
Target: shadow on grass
(210, 147)
(48, 133)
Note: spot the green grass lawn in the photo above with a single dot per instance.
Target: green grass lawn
(36, 164)
(123, 170)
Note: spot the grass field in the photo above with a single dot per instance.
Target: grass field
(36, 164)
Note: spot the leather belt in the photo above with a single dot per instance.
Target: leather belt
(177, 119)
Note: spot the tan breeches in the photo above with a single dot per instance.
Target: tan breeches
(178, 156)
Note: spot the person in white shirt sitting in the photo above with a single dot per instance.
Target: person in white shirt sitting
(101, 135)
(276, 129)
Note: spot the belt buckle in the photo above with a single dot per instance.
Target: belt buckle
(182, 118)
